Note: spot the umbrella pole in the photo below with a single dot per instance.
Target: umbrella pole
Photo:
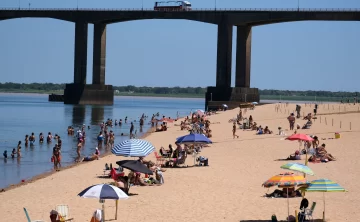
(103, 212)
(287, 197)
(324, 207)
(116, 201)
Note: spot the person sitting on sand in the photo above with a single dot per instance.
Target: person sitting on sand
(323, 154)
(295, 156)
(254, 126)
(91, 158)
(260, 131)
(285, 192)
(267, 130)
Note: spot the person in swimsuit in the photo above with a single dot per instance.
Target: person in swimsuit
(19, 149)
(56, 158)
(26, 140)
(13, 153)
(59, 142)
(49, 138)
(291, 119)
(234, 131)
(32, 139)
(41, 138)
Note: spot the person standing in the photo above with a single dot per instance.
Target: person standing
(234, 131)
(291, 119)
(131, 130)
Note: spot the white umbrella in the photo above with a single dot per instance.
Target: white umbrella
(103, 192)
(133, 148)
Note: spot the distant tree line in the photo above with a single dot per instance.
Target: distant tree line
(23, 87)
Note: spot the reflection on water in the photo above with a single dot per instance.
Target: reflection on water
(97, 115)
(78, 115)
(24, 114)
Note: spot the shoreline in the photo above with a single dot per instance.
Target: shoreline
(49, 173)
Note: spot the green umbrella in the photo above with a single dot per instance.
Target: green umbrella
(298, 167)
(323, 185)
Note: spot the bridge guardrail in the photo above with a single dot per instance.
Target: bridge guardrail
(195, 9)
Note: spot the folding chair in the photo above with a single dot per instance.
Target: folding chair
(63, 211)
(308, 212)
(28, 218)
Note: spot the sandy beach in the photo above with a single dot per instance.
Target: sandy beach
(228, 190)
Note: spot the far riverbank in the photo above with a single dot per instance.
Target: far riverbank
(189, 96)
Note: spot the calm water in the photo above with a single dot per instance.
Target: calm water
(23, 114)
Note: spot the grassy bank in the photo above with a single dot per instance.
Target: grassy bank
(262, 97)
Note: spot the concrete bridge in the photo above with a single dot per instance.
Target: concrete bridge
(244, 19)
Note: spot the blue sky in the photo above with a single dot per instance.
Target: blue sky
(294, 56)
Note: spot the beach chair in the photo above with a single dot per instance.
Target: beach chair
(28, 218)
(63, 211)
(159, 159)
(308, 212)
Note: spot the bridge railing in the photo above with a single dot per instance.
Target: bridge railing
(195, 9)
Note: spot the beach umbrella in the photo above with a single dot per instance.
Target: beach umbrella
(323, 185)
(298, 167)
(287, 180)
(193, 139)
(255, 103)
(133, 148)
(200, 112)
(299, 136)
(224, 105)
(103, 192)
(135, 166)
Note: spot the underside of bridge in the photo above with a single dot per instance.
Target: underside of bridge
(98, 93)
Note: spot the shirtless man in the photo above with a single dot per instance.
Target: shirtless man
(291, 119)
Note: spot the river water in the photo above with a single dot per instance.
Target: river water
(22, 114)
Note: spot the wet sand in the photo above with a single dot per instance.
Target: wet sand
(228, 190)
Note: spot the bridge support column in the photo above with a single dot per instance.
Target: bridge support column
(243, 56)
(224, 55)
(223, 93)
(79, 92)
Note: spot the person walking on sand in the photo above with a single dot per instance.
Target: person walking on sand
(291, 119)
(234, 131)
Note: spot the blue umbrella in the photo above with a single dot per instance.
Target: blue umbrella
(133, 148)
(193, 139)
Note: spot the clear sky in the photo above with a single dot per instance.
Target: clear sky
(295, 56)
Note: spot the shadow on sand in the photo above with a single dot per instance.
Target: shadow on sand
(315, 220)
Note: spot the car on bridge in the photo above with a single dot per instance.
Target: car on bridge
(173, 6)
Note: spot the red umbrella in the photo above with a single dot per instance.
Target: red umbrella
(299, 136)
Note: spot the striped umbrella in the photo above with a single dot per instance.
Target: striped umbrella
(298, 167)
(324, 185)
(133, 148)
(287, 179)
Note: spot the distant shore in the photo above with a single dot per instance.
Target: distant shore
(190, 96)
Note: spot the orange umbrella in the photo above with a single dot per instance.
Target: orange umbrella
(287, 180)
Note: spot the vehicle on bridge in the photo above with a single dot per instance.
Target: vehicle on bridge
(173, 6)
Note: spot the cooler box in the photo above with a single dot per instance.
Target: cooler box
(337, 135)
